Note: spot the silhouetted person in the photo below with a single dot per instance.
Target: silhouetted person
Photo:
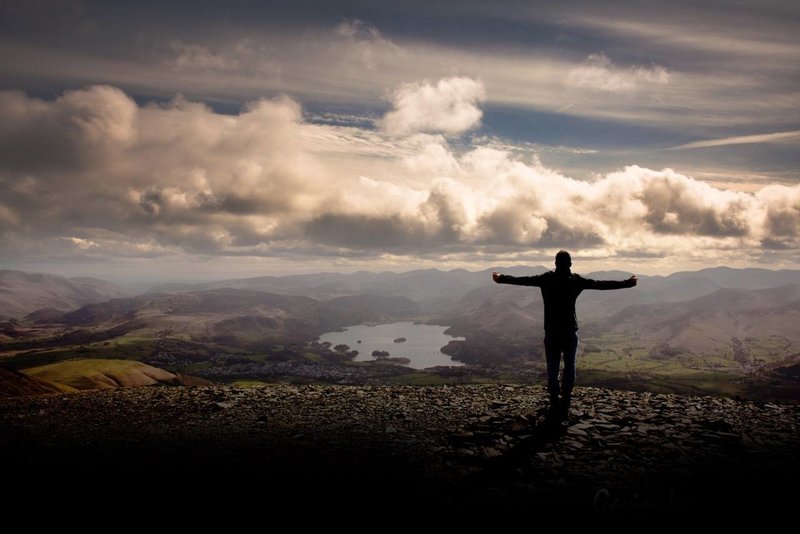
(560, 290)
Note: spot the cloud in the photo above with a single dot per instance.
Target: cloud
(365, 44)
(176, 173)
(598, 73)
(782, 216)
(700, 32)
(431, 156)
(77, 128)
(91, 174)
(83, 244)
(776, 137)
(738, 82)
(242, 56)
(450, 106)
(193, 56)
(676, 204)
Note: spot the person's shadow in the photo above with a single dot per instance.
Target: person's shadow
(545, 427)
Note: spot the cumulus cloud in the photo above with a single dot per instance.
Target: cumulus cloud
(598, 73)
(178, 173)
(450, 106)
(76, 128)
(93, 174)
(782, 215)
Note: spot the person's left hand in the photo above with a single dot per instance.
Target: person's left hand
(633, 280)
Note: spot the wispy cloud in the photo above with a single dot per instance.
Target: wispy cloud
(565, 108)
(775, 137)
(598, 73)
(353, 63)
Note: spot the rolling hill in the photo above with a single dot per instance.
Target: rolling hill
(106, 374)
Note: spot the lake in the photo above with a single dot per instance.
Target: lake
(422, 345)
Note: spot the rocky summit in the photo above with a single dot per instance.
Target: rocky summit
(471, 448)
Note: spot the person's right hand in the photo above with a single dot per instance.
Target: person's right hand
(495, 276)
(633, 279)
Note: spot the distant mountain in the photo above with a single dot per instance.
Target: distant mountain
(678, 287)
(688, 314)
(472, 305)
(707, 323)
(22, 293)
(440, 292)
(725, 321)
(466, 300)
(496, 309)
(432, 289)
(749, 278)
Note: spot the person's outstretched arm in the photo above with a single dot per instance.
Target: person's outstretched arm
(517, 280)
(588, 283)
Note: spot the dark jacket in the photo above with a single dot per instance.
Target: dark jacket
(560, 291)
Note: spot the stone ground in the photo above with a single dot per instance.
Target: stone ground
(473, 449)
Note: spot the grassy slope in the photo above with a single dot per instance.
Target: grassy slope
(99, 374)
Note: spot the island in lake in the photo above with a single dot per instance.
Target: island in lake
(400, 340)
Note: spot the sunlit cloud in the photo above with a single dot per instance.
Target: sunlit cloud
(110, 178)
(450, 106)
(598, 73)
(357, 135)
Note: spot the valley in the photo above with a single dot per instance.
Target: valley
(721, 331)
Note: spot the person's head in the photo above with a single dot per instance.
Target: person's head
(563, 260)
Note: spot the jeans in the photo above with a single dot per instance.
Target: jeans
(556, 344)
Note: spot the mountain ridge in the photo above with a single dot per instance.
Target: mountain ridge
(679, 332)
(22, 293)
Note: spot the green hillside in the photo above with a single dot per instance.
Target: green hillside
(100, 374)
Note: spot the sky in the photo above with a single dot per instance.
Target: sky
(195, 140)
